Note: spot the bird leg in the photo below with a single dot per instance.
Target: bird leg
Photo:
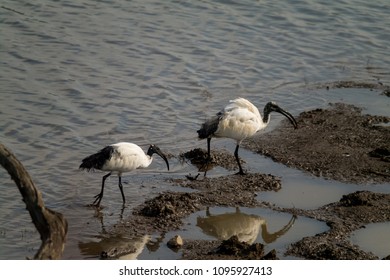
(121, 188)
(241, 172)
(205, 165)
(208, 149)
(99, 196)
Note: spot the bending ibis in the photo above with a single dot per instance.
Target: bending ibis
(240, 119)
(120, 158)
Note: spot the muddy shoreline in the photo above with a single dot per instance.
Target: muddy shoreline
(337, 142)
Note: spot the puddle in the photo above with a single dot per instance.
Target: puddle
(310, 192)
(373, 238)
(300, 189)
(122, 247)
(253, 225)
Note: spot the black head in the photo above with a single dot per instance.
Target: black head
(273, 107)
(153, 149)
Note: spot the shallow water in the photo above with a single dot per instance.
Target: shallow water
(78, 75)
(366, 238)
(251, 225)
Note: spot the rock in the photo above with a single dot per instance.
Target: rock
(175, 242)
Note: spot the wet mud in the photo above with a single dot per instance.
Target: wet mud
(338, 142)
(232, 249)
(222, 158)
(350, 213)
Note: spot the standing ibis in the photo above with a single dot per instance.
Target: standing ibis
(240, 119)
(119, 158)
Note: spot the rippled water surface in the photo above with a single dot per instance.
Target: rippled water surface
(78, 75)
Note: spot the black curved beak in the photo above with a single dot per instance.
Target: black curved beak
(287, 115)
(154, 149)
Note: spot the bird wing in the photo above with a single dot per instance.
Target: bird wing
(97, 160)
(209, 127)
(238, 120)
(244, 104)
(126, 157)
(238, 123)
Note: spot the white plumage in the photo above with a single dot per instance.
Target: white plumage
(126, 157)
(120, 158)
(239, 120)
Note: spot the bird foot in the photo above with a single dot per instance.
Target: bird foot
(97, 200)
(95, 206)
(240, 173)
(206, 165)
(192, 178)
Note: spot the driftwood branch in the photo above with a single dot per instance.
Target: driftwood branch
(52, 226)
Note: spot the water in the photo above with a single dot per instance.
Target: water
(366, 239)
(274, 230)
(78, 75)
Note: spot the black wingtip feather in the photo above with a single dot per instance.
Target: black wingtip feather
(209, 127)
(202, 133)
(96, 161)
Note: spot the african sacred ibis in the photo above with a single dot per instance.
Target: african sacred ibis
(240, 119)
(119, 158)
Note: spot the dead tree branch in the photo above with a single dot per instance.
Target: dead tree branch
(52, 226)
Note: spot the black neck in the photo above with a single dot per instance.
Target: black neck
(266, 114)
(151, 151)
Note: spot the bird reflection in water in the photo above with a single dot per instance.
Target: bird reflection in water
(116, 247)
(107, 245)
(245, 226)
